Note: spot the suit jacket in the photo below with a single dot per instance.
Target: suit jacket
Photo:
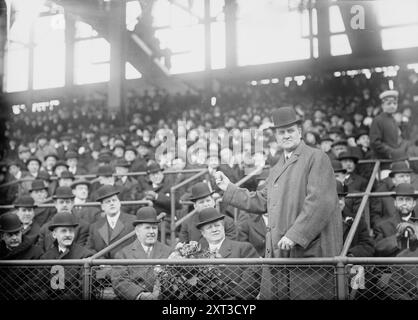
(189, 231)
(98, 238)
(33, 232)
(355, 182)
(46, 240)
(25, 251)
(243, 281)
(129, 282)
(87, 214)
(43, 215)
(253, 230)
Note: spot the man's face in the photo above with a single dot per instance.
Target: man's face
(65, 182)
(326, 146)
(42, 142)
(25, 215)
(130, 155)
(72, 162)
(405, 204)
(364, 141)
(24, 155)
(59, 170)
(64, 205)
(348, 165)
(81, 191)
(39, 195)
(107, 181)
(341, 203)
(142, 150)
(118, 152)
(121, 170)
(403, 177)
(156, 177)
(111, 205)
(213, 232)
(339, 148)
(50, 162)
(289, 138)
(204, 203)
(33, 167)
(147, 233)
(12, 239)
(13, 170)
(390, 105)
(64, 236)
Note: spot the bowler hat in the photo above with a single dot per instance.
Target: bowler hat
(348, 155)
(337, 166)
(25, 201)
(80, 181)
(60, 163)
(63, 219)
(51, 154)
(146, 215)
(43, 175)
(122, 163)
(284, 117)
(10, 222)
(104, 157)
(389, 93)
(63, 193)
(105, 192)
(340, 143)
(119, 145)
(406, 190)
(208, 215)
(131, 148)
(33, 158)
(199, 191)
(67, 175)
(399, 167)
(153, 168)
(341, 189)
(105, 171)
(361, 132)
(37, 185)
(71, 155)
(326, 138)
(337, 130)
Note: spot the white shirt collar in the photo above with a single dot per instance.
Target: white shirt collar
(78, 201)
(407, 217)
(287, 154)
(266, 219)
(113, 220)
(146, 248)
(61, 249)
(216, 247)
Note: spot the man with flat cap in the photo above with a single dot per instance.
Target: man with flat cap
(300, 197)
(138, 283)
(64, 203)
(385, 134)
(243, 282)
(113, 225)
(202, 198)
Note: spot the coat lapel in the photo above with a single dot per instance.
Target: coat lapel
(225, 249)
(103, 231)
(138, 250)
(282, 166)
(260, 226)
(118, 229)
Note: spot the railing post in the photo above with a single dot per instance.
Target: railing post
(87, 280)
(341, 283)
(173, 216)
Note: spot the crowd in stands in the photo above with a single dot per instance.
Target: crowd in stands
(79, 152)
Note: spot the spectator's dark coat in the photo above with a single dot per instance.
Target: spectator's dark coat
(253, 230)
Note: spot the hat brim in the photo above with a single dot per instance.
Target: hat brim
(340, 170)
(355, 159)
(201, 196)
(400, 171)
(343, 194)
(288, 124)
(63, 197)
(25, 206)
(135, 222)
(11, 230)
(53, 226)
(412, 195)
(100, 199)
(201, 224)
(45, 188)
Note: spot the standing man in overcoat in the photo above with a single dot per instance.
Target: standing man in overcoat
(303, 215)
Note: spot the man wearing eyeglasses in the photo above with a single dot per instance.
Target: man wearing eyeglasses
(114, 225)
(64, 203)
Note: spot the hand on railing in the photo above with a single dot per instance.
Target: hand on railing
(222, 181)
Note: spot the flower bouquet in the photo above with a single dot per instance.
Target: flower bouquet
(191, 282)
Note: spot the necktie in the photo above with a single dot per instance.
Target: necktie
(149, 251)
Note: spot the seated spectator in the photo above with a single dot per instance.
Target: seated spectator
(39, 193)
(203, 198)
(133, 282)
(14, 245)
(126, 184)
(337, 148)
(104, 178)
(362, 244)
(244, 282)
(114, 225)
(25, 206)
(81, 193)
(65, 179)
(72, 162)
(50, 162)
(352, 180)
(395, 233)
(59, 167)
(64, 203)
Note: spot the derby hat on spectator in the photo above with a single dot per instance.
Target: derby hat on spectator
(399, 167)
(153, 168)
(10, 223)
(131, 148)
(208, 215)
(105, 171)
(340, 143)
(43, 175)
(51, 154)
(360, 133)
(23, 148)
(80, 182)
(199, 191)
(70, 154)
(33, 158)
(24, 201)
(37, 185)
(146, 215)
(284, 117)
(64, 193)
(63, 219)
(389, 93)
(67, 175)
(337, 166)
(105, 192)
(60, 163)
(337, 130)
(104, 157)
(406, 190)
(326, 138)
(122, 163)
(13, 163)
(348, 155)
(119, 145)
